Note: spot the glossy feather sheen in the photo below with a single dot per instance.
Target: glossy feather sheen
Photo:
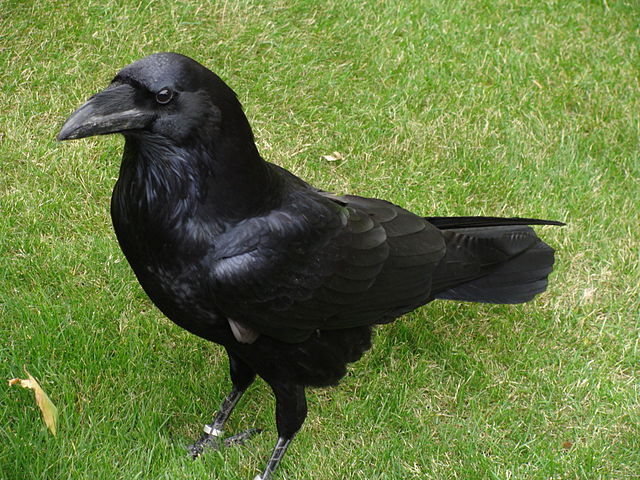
(216, 235)
(288, 278)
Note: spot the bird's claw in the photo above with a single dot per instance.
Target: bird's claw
(216, 442)
(240, 438)
(206, 441)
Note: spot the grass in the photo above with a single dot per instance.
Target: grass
(451, 108)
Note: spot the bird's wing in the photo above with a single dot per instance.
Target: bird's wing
(323, 262)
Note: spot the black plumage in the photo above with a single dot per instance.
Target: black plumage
(288, 278)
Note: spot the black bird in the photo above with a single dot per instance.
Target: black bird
(289, 279)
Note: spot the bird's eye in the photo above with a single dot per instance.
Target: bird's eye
(164, 96)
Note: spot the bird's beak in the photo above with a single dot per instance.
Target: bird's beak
(110, 111)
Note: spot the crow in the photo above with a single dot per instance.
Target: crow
(288, 278)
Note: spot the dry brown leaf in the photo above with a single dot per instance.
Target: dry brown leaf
(48, 409)
(334, 157)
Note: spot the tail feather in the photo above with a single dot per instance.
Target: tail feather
(445, 223)
(500, 261)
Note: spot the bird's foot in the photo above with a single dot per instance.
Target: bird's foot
(240, 438)
(212, 439)
(206, 441)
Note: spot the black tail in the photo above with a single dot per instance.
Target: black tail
(446, 223)
(492, 260)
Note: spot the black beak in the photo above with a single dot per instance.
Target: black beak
(111, 111)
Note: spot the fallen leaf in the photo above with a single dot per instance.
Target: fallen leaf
(48, 409)
(567, 445)
(334, 157)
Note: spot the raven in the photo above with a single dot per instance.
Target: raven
(289, 279)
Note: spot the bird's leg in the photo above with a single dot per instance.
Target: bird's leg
(276, 456)
(212, 435)
(291, 411)
(241, 376)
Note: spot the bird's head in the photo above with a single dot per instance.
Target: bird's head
(164, 95)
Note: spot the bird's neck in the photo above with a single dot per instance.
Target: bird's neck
(162, 186)
(240, 184)
(157, 184)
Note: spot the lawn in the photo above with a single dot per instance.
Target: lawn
(516, 107)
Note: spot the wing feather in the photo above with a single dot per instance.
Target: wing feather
(324, 262)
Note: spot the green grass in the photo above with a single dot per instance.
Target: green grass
(452, 108)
